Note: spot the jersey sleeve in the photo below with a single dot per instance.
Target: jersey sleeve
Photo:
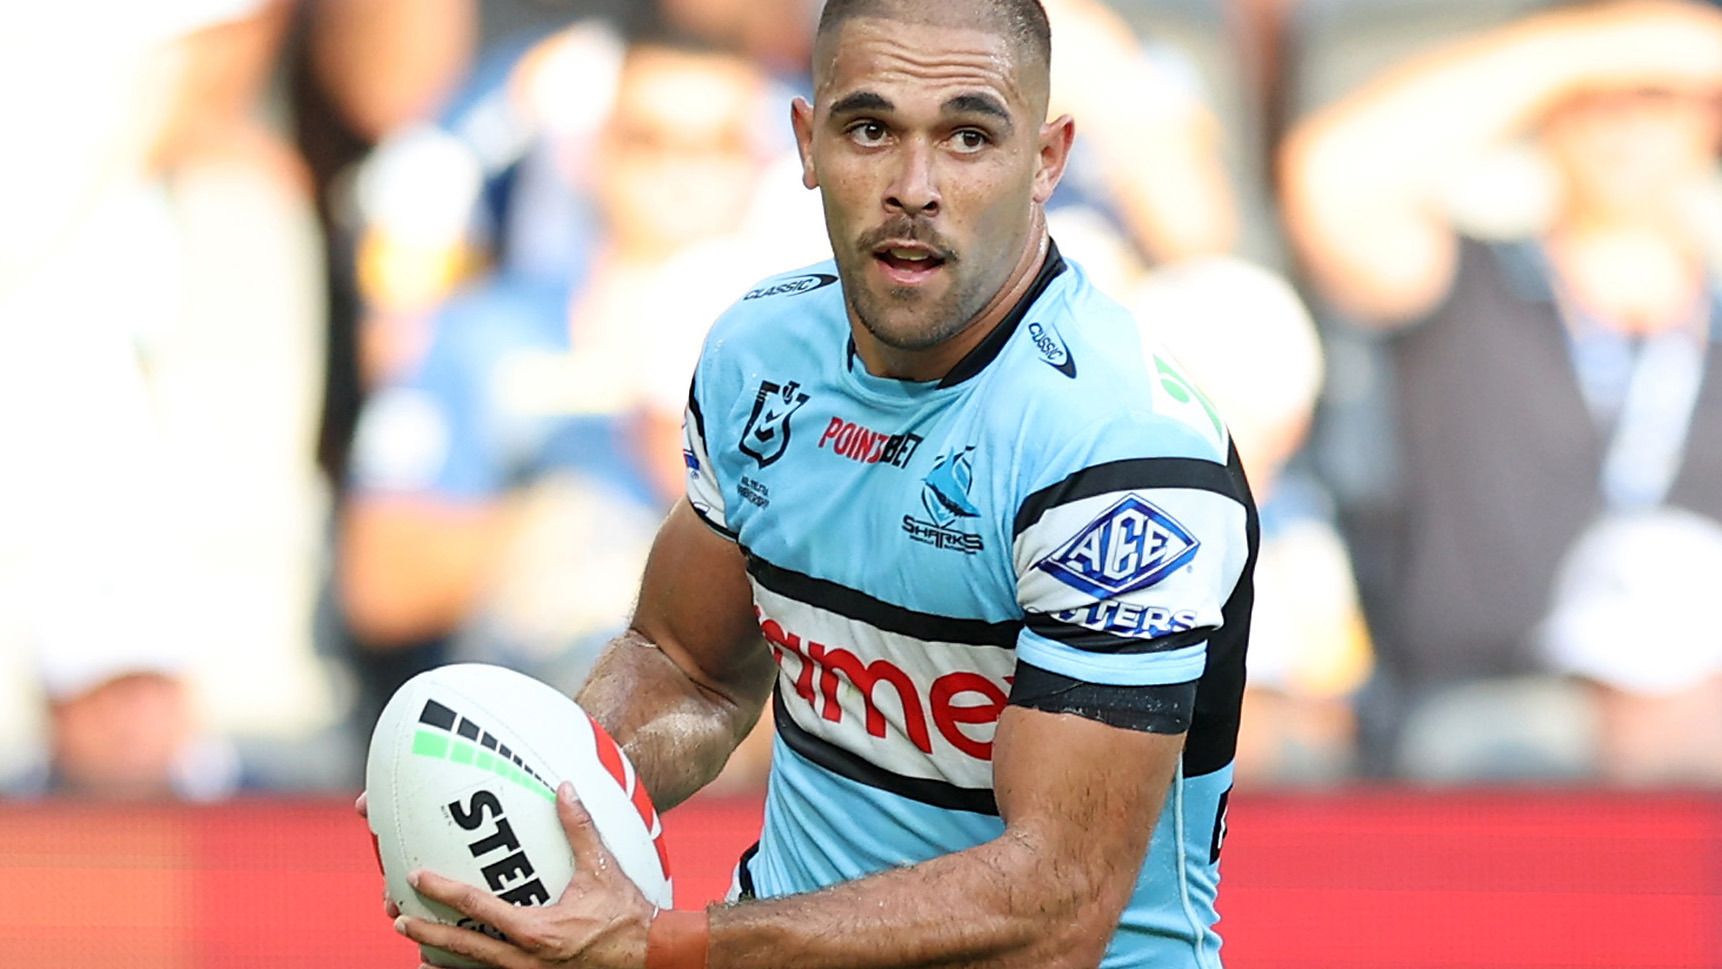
(1125, 560)
(705, 493)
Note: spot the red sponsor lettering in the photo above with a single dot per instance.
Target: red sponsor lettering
(831, 429)
(783, 641)
(949, 716)
(867, 446)
(830, 665)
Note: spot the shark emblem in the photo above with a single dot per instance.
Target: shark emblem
(945, 490)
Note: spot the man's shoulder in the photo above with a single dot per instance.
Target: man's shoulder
(806, 299)
(1087, 384)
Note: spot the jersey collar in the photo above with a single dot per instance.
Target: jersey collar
(984, 352)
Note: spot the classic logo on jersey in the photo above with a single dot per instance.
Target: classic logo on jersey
(1130, 546)
(868, 446)
(945, 499)
(1052, 349)
(792, 286)
(767, 430)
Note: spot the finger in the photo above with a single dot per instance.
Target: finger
(577, 823)
(462, 942)
(467, 900)
(362, 805)
(390, 909)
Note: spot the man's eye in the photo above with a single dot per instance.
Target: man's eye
(868, 132)
(970, 140)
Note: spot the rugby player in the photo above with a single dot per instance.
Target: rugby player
(993, 554)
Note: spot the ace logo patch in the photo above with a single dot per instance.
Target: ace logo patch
(1130, 546)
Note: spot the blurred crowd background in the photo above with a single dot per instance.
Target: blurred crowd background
(340, 339)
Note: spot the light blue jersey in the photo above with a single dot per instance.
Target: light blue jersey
(1062, 517)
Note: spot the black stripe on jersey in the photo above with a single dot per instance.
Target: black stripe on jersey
(890, 617)
(843, 763)
(988, 349)
(744, 877)
(694, 409)
(1213, 739)
(1094, 641)
(714, 526)
(1135, 473)
(1164, 709)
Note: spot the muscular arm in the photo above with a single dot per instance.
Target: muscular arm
(1362, 177)
(1079, 800)
(682, 687)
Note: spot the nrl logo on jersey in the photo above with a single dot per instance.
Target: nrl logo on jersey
(1130, 546)
(767, 432)
(945, 499)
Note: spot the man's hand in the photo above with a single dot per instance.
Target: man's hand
(600, 920)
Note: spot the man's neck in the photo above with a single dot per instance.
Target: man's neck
(1629, 277)
(933, 363)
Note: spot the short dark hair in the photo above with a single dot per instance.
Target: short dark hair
(1023, 20)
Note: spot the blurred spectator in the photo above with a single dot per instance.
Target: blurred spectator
(357, 71)
(1146, 185)
(122, 720)
(158, 352)
(1246, 341)
(1552, 391)
(509, 475)
(775, 34)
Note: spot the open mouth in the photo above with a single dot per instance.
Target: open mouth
(908, 263)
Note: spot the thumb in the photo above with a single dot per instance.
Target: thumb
(577, 824)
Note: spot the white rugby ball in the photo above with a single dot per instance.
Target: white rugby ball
(461, 780)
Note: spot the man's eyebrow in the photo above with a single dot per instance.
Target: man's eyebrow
(861, 101)
(978, 104)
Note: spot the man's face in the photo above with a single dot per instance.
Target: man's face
(931, 156)
(1634, 153)
(679, 157)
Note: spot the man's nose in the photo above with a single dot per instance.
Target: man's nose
(914, 189)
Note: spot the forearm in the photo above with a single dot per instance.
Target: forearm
(1080, 801)
(677, 732)
(1002, 904)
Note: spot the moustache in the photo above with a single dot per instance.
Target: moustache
(906, 229)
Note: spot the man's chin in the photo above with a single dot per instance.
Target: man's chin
(911, 332)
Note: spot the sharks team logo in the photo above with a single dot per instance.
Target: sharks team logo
(767, 431)
(945, 499)
(945, 490)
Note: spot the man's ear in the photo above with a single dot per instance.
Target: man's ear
(1056, 137)
(801, 119)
